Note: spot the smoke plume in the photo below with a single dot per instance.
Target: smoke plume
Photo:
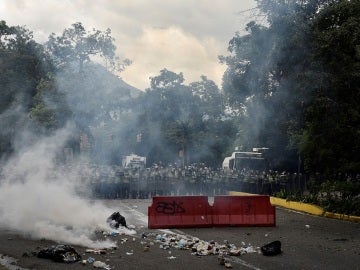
(39, 200)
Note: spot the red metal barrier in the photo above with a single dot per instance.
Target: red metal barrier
(243, 211)
(179, 212)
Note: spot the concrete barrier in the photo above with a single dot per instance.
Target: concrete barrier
(179, 212)
(243, 211)
(195, 211)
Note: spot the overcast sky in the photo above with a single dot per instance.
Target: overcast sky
(180, 35)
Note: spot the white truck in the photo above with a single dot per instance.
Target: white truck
(134, 161)
(245, 160)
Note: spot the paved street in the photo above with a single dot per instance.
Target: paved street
(308, 242)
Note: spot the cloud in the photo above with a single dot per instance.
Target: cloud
(188, 35)
(172, 48)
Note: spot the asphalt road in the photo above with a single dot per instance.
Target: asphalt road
(308, 242)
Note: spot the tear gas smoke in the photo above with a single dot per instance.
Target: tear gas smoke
(38, 201)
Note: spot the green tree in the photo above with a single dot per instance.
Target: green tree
(331, 141)
(182, 123)
(162, 106)
(210, 97)
(23, 63)
(50, 110)
(295, 83)
(78, 45)
(270, 78)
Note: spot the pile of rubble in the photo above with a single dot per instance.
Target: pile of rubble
(202, 248)
(197, 247)
(165, 241)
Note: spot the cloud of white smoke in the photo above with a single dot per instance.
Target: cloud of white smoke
(39, 200)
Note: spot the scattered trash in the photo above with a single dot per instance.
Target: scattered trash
(96, 251)
(250, 249)
(60, 253)
(271, 249)
(307, 226)
(9, 263)
(115, 220)
(110, 233)
(167, 241)
(100, 264)
(118, 222)
(90, 260)
(201, 248)
(123, 240)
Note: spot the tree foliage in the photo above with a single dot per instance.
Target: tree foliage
(296, 80)
(331, 141)
(182, 123)
(50, 110)
(77, 45)
(23, 63)
(40, 96)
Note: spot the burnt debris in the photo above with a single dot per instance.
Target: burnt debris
(116, 219)
(60, 253)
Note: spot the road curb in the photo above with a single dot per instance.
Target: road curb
(302, 207)
(298, 206)
(342, 217)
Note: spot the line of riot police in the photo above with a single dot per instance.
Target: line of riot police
(197, 179)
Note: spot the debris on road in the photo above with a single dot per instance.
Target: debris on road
(117, 223)
(9, 263)
(96, 251)
(200, 247)
(271, 249)
(115, 220)
(100, 264)
(60, 253)
(166, 241)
